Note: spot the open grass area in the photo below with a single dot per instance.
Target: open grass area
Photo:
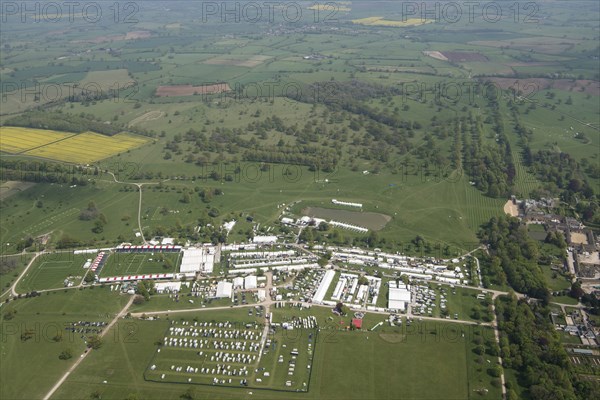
(51, 270)
(12, 266)
(28, 346)
(340, 356)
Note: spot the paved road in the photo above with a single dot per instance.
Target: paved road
(85, 354)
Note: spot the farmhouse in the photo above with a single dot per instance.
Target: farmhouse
(399, 296)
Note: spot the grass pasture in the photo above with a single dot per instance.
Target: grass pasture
(119, 264)
(23, 362)
(50, 270)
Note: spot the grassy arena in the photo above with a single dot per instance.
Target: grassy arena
(140, 263)
(50, 270)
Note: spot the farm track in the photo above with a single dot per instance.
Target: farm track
(45, 144)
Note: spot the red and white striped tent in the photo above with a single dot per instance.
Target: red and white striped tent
(126, 278)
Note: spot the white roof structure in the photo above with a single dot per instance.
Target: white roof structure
(224, 289)
(323, 286)
(250, 282)
(262, 294)
(171, 286)
(399, 296)
(265, 239)
(168, 241)
(238, 282)
(197, 259)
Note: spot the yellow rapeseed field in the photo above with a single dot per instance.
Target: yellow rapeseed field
(17, 140)
(88, 147)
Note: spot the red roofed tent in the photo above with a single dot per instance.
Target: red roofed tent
(357, 323)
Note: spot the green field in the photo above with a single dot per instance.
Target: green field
(50, 271)
(41, 319)
(339, 356)
(320, 108)
(119, 264)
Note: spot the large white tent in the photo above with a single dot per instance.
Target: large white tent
(197, 260)
(250, 282)
(224, 289)
(399, 296)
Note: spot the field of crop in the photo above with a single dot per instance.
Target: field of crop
(190, 90)
(238, 60)
(18, 140)
(88, 147)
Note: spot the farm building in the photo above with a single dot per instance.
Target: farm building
(224, 289)
(399, 296)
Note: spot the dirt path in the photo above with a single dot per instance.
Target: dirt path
(511, 209)
(88, 351)
(14, 285)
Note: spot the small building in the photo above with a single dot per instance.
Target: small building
(357, 323)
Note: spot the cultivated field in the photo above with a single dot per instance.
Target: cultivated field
(87, 147)
(381, 21)
(190, 90)
(18, 140)
(249, 61)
